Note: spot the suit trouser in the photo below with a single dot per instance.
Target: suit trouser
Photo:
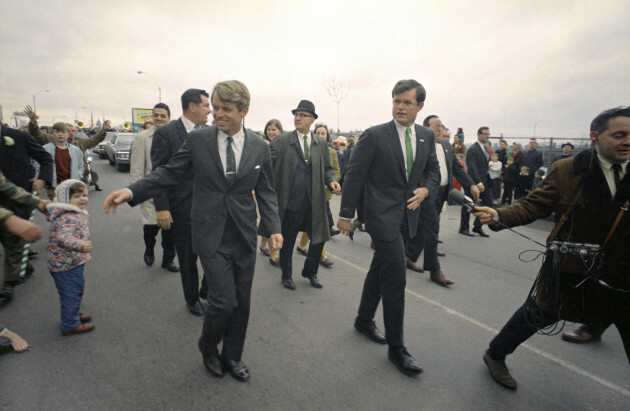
(13, 250)
(486, 201)
(229, 274)
(518, 329)
(168, 242)
(386, 279)
(427, 235)
(292, 222)
(188, 264)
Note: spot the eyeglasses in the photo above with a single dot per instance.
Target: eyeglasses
(302, 115)
(485, 134)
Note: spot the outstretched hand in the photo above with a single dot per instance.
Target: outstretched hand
(115, 198)
(30, 113)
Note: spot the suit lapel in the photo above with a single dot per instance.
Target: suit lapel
(181, 130)
(294, 141)
(246, 155)
(213, 146)
(394, 140)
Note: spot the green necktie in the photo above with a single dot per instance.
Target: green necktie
(197, 126)
(409, 150)
(230, 159)
(306, 149)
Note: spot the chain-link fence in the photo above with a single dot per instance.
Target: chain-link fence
(549, 146)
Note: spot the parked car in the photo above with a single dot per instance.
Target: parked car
(100, 147)
(118, 150)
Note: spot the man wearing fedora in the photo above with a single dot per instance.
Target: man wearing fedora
(567, 151)
(302, 170)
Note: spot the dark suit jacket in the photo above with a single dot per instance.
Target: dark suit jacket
(15, 159)
(213, 198)
(377, 164)
(285, 154)
(532, 159)
(477, 165)
(167, 141)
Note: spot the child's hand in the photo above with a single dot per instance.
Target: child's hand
(87, 246)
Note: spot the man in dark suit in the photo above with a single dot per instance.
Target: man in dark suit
(477, 159)
(532, 158)
(396, 165)
(228, 163)
(173, 206)
(16, 150)
(426, 238)
(302, 170)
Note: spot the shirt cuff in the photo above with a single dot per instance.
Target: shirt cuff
(130, 193)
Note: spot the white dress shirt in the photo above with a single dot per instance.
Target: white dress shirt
(441, 155)
(189, 125)
(401, 135)
(309, 140)
(237, 146)
(609, 173)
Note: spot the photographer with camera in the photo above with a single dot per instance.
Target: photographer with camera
(584, 276)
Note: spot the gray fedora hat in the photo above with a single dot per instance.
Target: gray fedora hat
(305, 105)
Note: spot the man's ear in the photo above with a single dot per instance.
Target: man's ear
(594, 136)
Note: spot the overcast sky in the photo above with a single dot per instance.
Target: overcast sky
(512, 65)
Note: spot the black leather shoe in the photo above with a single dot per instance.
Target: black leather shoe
(171, 267)
(238, 370)
(334, 232)
(275, 263)
(499, 371)
(301, 251)
(149, 258)
(371, 332)
(212, 362)
(6, 292)
(403, 361)
(480, 232)
(197, 309)
(288, 283)
(326, 262)
(315, 283)
(466, 232)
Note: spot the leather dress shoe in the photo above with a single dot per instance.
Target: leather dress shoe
(301, 251)
(315, 283)
(85, 318)
(288, 283)
(83, 328)
(499, 371)
(466, 232)
(197, 309)
(171, 267)
(6, 292)
(441, 254)
(439, 278)
(580, 336)
(265, 251)
(275, 263)
(237, 369)
(212, 362)
(403, 361)
(326, 262)
(148, 259)
(413, 267)
(480, 232)
(371, 332)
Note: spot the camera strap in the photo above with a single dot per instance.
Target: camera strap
(563, 219)
(622, 211)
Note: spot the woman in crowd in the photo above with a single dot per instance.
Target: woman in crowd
(273, 128)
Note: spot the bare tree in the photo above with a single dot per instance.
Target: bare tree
(337, 91)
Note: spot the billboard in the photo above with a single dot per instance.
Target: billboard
(139, 115)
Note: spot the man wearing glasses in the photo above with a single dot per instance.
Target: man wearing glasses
(302, 170)
(477, 158)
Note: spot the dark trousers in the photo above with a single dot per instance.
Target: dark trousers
(292, 223)
(361, 207)
(485, 199)
(496, 188)
(331, 222)
(386, 279)
(517, 330)
(508, 192)
(426, 238)
(70, 286)
(229, 274)
(13, 250)
(188, 264)
(168, 242)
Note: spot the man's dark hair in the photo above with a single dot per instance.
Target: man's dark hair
(165, 107)
(193, 95)
(406, 85)
(600, 123)
(482, 129)
(427, 121)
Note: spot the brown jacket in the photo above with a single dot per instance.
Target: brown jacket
(589, 222)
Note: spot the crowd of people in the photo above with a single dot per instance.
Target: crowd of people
(212, 189)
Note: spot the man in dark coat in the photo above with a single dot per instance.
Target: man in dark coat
(302, 171)
(396, 165)
(229, 163)
(597, 182)
(567, 151)
(532, 158)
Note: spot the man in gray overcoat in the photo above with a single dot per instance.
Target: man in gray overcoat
(302, 171)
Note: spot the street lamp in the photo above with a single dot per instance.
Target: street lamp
(35, 95)
(156, 83)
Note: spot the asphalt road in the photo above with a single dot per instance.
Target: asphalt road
(301, 349)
